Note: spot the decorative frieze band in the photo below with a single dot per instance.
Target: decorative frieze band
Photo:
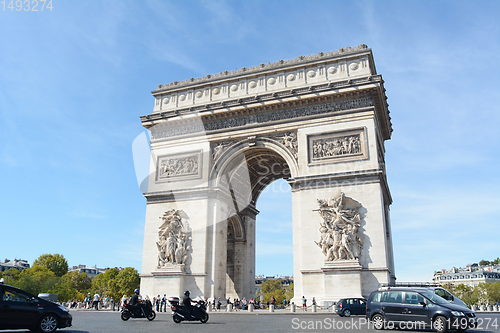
(166, 131)
(179, 166)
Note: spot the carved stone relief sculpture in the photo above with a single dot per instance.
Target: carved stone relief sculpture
(179, 166)
(173, 245)
(220, 148)
(340, 229)
(289, 140)
(330, 147)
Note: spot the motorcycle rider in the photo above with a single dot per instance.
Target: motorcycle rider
(186, 302)
(135, 303)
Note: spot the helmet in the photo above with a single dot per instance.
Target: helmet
(187, 293)
(136, 291)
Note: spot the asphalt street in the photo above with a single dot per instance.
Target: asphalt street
(110, 322)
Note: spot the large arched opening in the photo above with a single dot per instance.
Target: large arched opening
(244, 171)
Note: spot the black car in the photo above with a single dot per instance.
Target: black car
(408, 308)
(351, 306)
(21, 310)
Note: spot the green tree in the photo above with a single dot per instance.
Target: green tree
(77, 280)
(37, 279)
(126, 281)
(103, 283)
(274, 288)
(484, 263)
(11, 276)
(496, 261)
(55, 262)
(289, 292)
(116, 284)
(464, 292)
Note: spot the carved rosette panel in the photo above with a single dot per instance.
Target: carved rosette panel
(173, 244)
(179, 166)
(340, 228)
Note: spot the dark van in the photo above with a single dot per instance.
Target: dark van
(409, 308)
(21, 310)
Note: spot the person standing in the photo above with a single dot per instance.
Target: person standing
(123, 302)
(96, 301)
(163, 305)
(304, 304)
(112, 303)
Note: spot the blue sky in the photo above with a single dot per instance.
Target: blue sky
(74, 81)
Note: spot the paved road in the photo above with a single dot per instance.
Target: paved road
(110, 322)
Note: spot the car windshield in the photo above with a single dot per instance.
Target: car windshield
(435, 298)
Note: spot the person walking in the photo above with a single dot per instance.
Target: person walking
(96, 301)
(158, 301)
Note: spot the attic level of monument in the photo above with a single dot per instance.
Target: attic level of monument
(340, 81)
(262, 68)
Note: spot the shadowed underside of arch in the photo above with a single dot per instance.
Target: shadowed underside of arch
(246, 171)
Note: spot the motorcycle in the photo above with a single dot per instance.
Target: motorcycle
(144, 310)
(179, 313)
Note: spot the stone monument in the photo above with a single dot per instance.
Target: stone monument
(318, 121)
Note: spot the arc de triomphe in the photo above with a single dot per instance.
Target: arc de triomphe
(320, 122)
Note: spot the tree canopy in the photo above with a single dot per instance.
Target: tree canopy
(49, 274)
(270, 288)
(55, 262)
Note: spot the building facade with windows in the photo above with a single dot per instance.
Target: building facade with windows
(471, 275)
(18, 264)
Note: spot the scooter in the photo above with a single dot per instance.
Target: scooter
(142, 311)
(179, 313)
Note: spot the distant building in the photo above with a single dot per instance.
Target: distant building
(91, 271)
(285, 281)
(471, 275)
(16, 263)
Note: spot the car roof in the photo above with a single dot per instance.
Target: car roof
(419, 289)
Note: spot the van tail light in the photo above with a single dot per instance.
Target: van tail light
(340, 306)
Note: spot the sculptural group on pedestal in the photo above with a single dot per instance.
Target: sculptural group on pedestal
(340, 236)
(173, 247)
